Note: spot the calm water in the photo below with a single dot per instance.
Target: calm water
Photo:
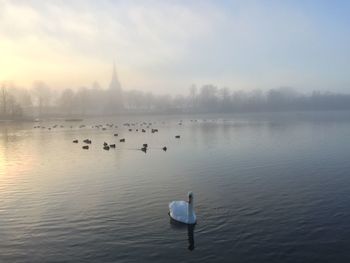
(267, 188)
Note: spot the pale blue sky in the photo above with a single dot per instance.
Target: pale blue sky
(165, 46)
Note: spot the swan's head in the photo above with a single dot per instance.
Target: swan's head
(190, 197)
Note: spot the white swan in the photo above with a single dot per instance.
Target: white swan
(182, 211)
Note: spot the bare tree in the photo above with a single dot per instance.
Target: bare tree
(225, 98)
(208, 98)
(9, 106)
(4, 96)
(66, 101)
(83, 100)
(43, 95)
(193, 96)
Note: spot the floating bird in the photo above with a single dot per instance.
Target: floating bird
(122, 140)
(164, 148)
(87, 141)
(112, 145)
(105, 144)
(106, 148)
(75, 141)
(116, 134)
(86, 147)
(145, 145)
(144, 149)
(177, 136)
(183, 211)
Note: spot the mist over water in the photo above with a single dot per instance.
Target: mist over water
(268, 187)
(42, 101)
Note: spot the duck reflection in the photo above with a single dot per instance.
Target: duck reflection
(190, 232)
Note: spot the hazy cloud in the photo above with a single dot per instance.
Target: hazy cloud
(166, 46)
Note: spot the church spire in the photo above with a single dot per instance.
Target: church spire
(115, 84)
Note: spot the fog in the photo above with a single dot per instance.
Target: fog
(248, 44)
(40, 100)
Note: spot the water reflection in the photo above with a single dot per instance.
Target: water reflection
(247, 173)
(190, 232)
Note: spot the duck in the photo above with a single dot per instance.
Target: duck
(112, 145)
(86, 147)
(106, 147)
(182, 211)
(87, 141)
(116, 134)
(144, 149)
(75, 141)
(122, 140)
(164, 148)
(177, 136)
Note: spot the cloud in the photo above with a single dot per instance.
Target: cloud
(170, 44)
(140, 37)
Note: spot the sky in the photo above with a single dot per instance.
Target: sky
(166, 46)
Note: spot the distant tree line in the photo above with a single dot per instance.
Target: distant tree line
(41, 100)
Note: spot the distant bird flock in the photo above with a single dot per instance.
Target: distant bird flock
(143, 127)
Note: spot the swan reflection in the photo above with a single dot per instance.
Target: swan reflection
(190, 232)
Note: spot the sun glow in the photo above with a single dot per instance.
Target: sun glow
(2, 164)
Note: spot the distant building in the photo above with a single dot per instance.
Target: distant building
(115, 84)
(115, 94)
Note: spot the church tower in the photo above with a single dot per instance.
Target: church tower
(115, 94)
(115, 84)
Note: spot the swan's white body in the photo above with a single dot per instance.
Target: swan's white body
(182, 211)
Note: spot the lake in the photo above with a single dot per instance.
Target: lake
(269, 187)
